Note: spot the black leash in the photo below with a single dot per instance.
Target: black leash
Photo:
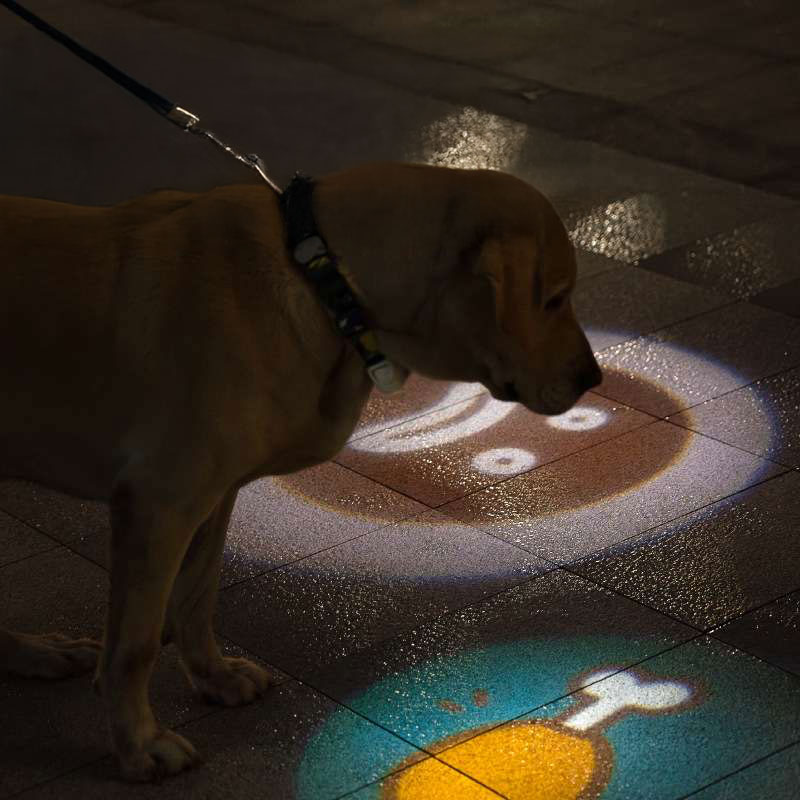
(307, 246)
(174, 113)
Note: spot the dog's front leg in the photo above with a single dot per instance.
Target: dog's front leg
(149, 540)
(217, 678)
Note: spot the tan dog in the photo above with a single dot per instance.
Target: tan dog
(162, 353)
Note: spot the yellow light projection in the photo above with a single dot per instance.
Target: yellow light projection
(566, 758)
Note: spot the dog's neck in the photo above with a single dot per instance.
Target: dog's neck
(393, 270)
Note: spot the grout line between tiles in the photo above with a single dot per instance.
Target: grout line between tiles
(429, 757)
(323, 550)
(741, 769)
(604, 550)
(632, 536)
(516, 716)
(756, 656)
(25, 558)
(785, 467)
(652, 420)
(712, 631)
(767, 377)
(30, 525)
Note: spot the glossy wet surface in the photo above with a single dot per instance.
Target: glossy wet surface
(469, 601)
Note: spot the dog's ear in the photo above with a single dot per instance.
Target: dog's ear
(510, 265)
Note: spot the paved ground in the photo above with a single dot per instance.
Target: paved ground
(471, 601)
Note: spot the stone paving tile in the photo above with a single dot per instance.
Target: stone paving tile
(761, 418)
(278, 747)
(472, 38)
(720, 103)
(559, 49)
(771, 632)
(716, 563)
(54, 591)
(631, 221)
(275, 520)
(776, 777)
(596, 740)
(496, 659)
(784, 298)
(446, 454)
(18, 540)
(627, 302)
(440, 563)
(681, 67)
(779, 36)
(709, 20)
(66, 519)
(684, 16)
(700, 359)
(280, 520)
(307, 614)
(712, 150)
(591, 264)
(50, 727)
(606, 494)
(781, 130)
(739, 263)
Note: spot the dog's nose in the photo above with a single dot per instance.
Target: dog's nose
(589, 378)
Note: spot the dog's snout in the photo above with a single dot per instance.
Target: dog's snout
(589, 377)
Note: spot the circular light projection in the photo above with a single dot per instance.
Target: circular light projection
(460, 438)
(579, 418)
(611, 729)
(504, 461)
(424, 430)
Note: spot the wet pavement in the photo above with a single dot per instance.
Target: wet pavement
(470, 601)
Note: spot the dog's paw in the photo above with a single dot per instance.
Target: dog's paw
(237, 682)
(164, 753)
(52, 655)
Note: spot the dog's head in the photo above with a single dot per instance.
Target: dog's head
(466, 275)
(532, 349)
(503, 315)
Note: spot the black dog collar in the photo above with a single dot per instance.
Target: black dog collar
(310, 252)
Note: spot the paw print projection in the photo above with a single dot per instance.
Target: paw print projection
(564, 758)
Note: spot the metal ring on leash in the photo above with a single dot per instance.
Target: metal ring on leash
(184, 119)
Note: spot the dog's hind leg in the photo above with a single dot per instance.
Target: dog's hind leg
(217, 678)
(49, 655)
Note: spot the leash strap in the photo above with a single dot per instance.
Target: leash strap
(319, 265)
(179, 116)
(307, 246)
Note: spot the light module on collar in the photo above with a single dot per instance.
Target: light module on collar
(387, 376)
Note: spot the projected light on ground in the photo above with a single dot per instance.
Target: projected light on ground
(504, 461)
(580, 418)
(556, 717)
(458, 437)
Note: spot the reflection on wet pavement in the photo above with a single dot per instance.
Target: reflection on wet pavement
(470, 600)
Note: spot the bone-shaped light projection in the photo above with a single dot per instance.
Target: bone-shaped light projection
(625, 692)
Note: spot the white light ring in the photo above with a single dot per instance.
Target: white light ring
(422, 432)
(504, 461)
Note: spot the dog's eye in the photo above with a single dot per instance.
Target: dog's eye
(554, 303)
